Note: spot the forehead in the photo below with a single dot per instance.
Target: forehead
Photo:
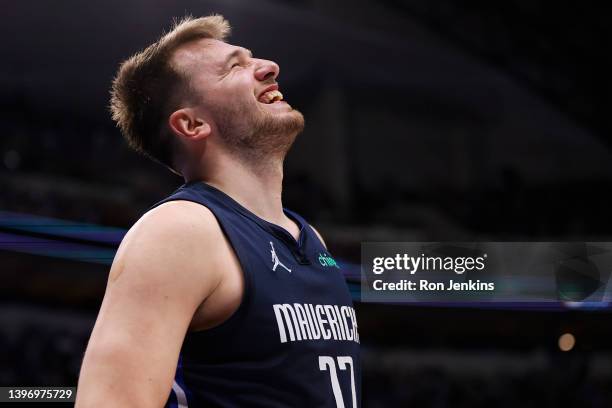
(205, 52)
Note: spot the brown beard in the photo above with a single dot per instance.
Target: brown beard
(256, 134)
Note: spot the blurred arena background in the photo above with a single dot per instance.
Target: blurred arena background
(425, 120)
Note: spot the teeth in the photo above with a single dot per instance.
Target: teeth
(271, 97)
(277, 96)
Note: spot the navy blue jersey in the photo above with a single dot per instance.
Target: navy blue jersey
(292, 342)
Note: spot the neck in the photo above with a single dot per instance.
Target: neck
(257, 186)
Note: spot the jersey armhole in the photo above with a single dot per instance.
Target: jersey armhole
(228, 323)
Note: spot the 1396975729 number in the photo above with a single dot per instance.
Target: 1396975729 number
(39, 393)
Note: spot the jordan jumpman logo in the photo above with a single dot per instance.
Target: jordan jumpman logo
(275, 259)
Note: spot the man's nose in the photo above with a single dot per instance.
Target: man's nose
(266, 70)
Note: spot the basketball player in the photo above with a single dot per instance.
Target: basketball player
(218, 296)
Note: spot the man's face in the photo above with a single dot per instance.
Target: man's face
(240, 95)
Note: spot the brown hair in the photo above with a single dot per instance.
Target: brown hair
(147, 87)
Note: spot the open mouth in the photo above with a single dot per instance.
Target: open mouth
(270, 96)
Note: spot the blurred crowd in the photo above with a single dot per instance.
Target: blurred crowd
(562, 381)
(74, 169)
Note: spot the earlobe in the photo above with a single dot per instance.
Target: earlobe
(184, 123)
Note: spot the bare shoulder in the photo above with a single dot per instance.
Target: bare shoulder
(164, 269)
(191, 217)
(171, 236)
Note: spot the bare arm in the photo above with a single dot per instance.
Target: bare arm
(162, 272)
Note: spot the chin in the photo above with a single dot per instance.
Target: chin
(289, 121)
(294, 121)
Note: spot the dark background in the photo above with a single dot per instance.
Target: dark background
(425, 120)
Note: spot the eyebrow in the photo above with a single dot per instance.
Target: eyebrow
(237, 52)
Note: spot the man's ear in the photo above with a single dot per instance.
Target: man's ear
(187, 123)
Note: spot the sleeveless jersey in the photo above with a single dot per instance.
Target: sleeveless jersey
(292, 342)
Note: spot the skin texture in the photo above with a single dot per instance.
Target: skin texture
(166, 279)
(175, 271)
(227, 82)
(248, 128)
